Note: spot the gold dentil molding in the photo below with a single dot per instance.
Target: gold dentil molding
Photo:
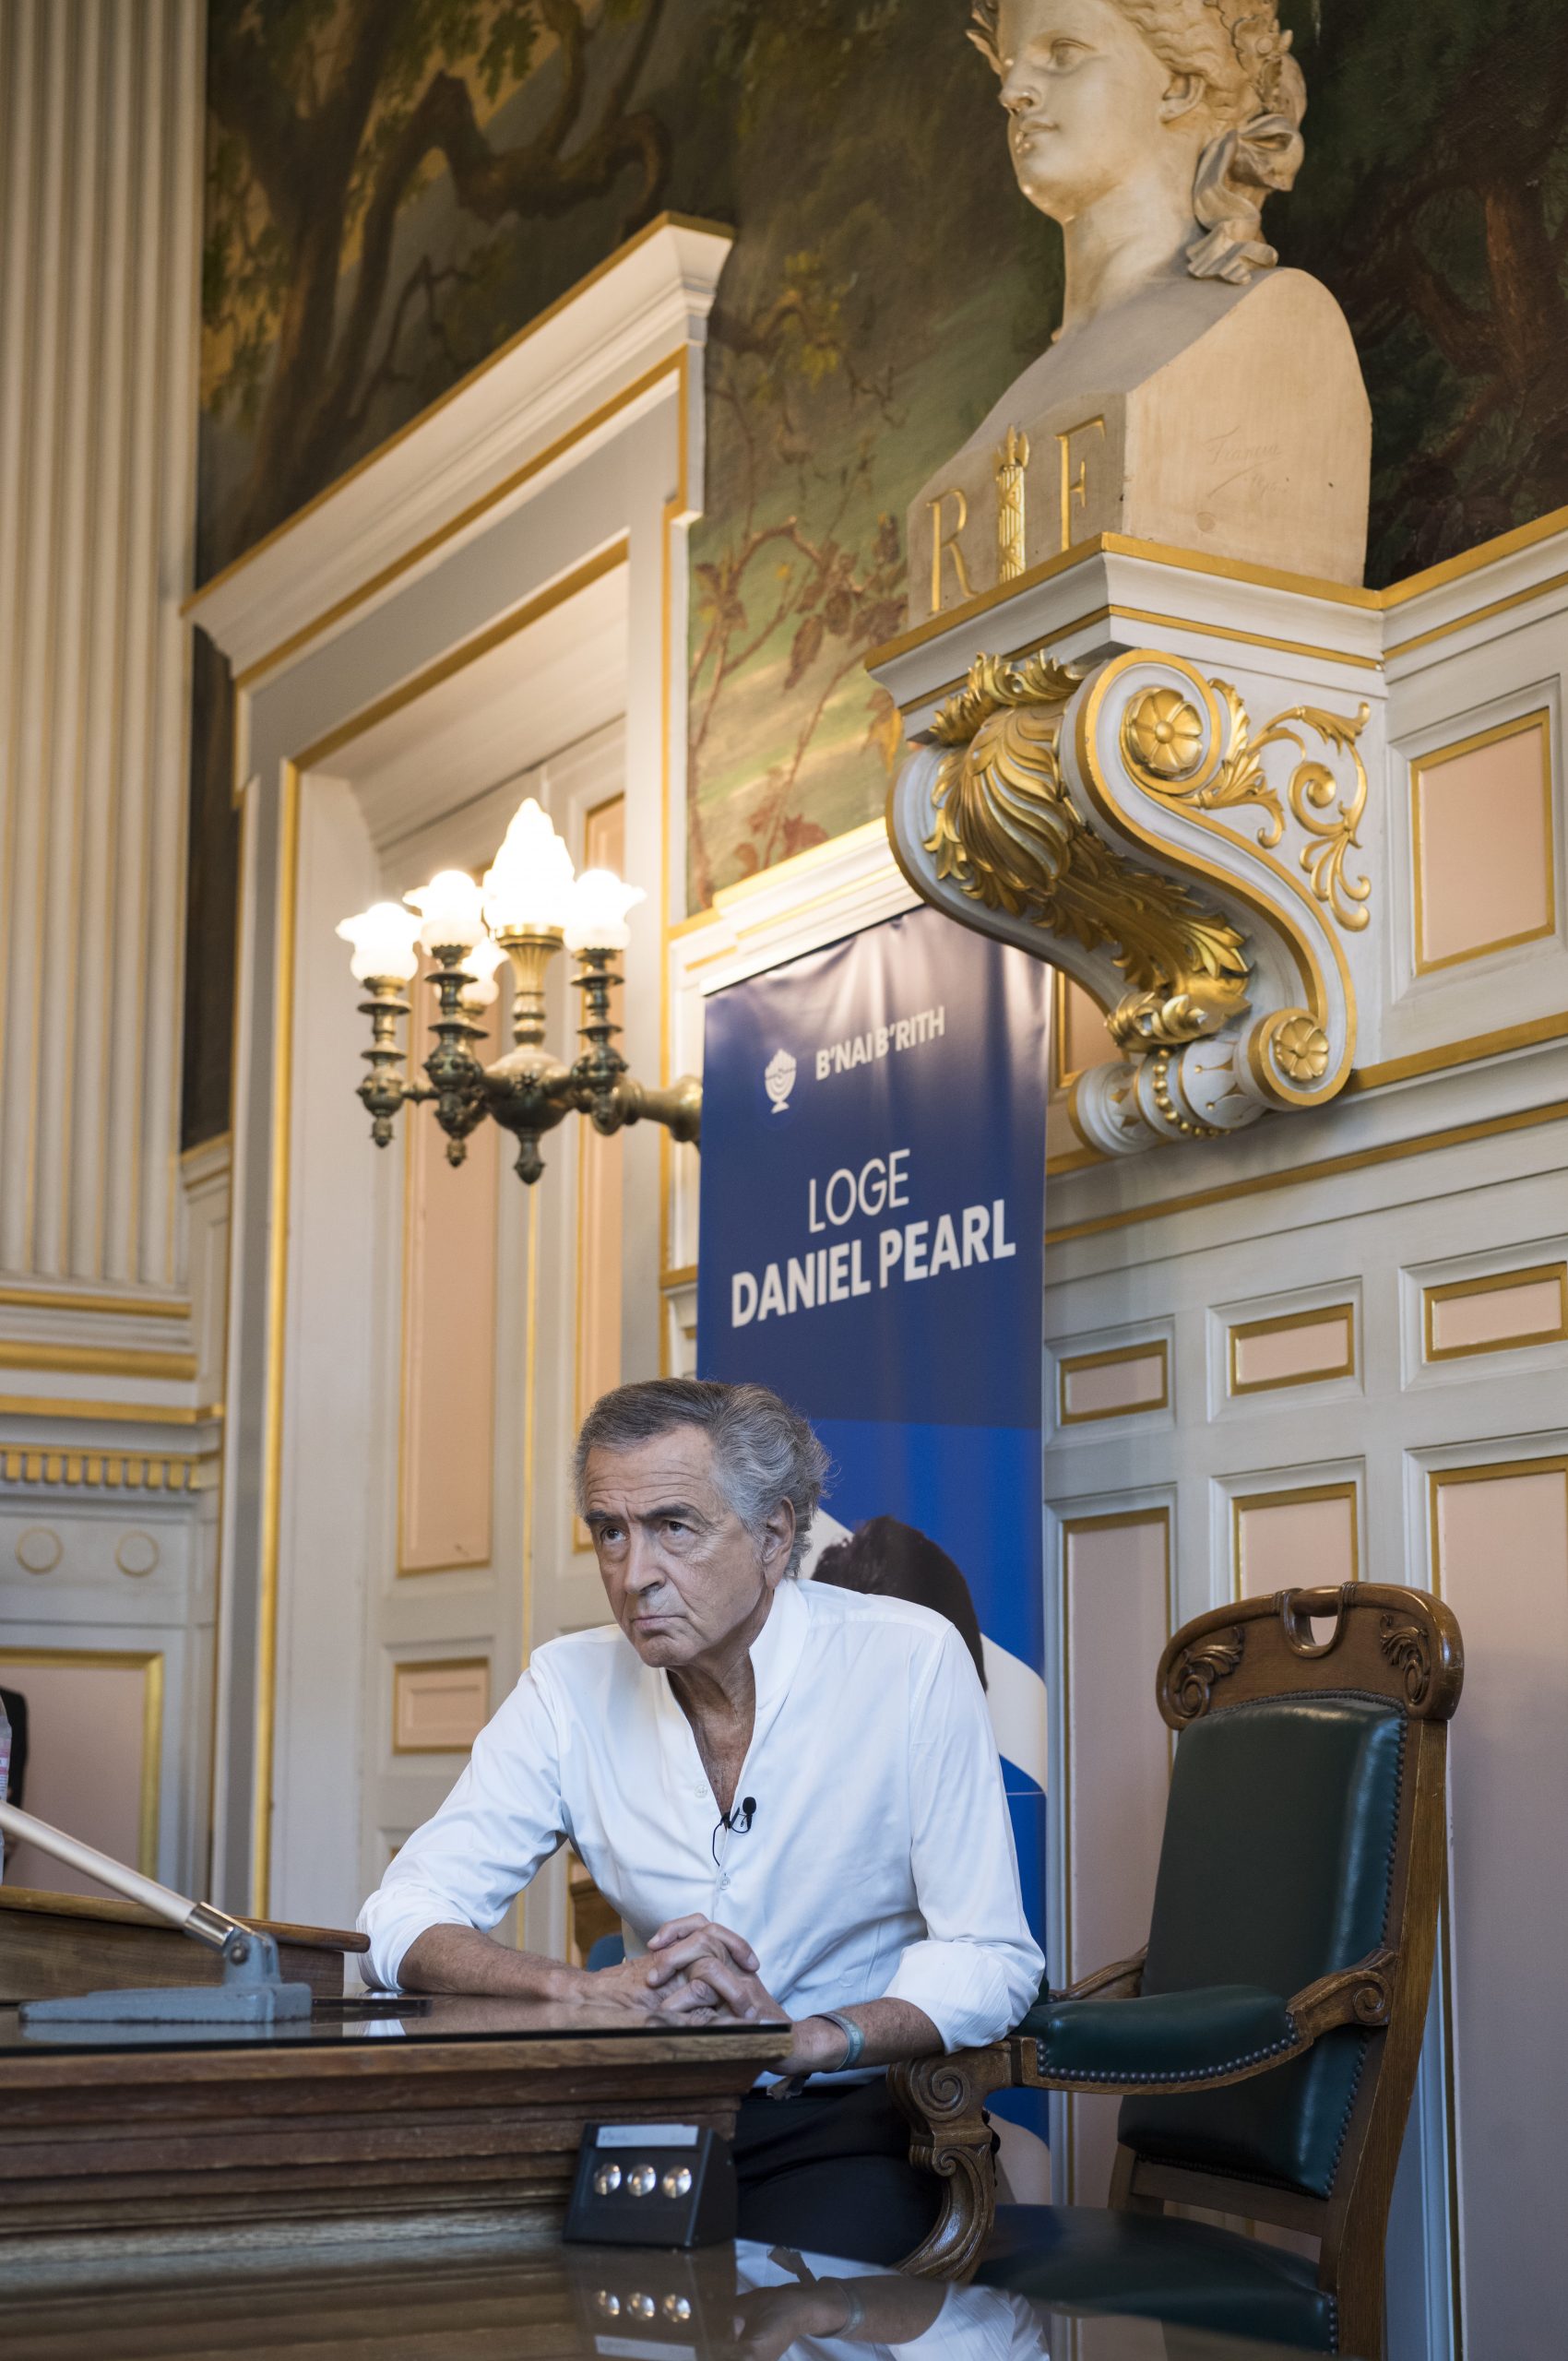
(1194, 874)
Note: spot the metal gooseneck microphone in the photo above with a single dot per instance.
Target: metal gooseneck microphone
(252, 1992)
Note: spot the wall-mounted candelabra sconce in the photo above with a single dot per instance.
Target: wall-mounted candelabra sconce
(529, 907)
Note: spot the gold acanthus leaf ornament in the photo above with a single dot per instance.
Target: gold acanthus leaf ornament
(1008, 834)
(1153, 754)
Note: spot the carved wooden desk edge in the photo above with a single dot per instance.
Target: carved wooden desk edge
(235, 2153)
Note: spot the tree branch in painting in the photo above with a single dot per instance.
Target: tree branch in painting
(794, 598)
(330, 117)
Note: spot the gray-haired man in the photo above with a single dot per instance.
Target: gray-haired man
(790, 1794)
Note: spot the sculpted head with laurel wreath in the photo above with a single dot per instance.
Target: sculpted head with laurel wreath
(1184, 113)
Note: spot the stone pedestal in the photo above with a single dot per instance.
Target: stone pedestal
(1228, 420)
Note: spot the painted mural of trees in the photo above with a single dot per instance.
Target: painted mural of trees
(793, 594)
(329, 118)
(1434, 201)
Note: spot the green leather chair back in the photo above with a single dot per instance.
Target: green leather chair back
(1277, 1867)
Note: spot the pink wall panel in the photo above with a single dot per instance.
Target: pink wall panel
(1115, 1588)
(447, 1442)
(1501, 1552)
(86, 1724)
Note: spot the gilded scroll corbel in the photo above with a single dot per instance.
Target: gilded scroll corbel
(1128, 825)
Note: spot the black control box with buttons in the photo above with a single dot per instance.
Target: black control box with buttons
(652, 2185)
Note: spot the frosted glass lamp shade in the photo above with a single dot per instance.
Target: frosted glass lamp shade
(596, 919)
(480, 963)
(384, 938)
(528, 884)
(449, 906)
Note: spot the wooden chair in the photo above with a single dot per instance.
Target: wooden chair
(1267, 2037)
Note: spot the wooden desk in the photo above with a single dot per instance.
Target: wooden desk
(65, 1944)
(128, 2153)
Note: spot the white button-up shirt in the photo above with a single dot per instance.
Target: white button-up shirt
(879, 1863)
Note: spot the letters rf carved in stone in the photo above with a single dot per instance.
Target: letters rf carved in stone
(1128, 825)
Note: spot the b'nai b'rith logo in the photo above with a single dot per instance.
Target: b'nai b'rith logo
(778, 1075)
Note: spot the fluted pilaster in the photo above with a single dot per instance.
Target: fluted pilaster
(99, 229)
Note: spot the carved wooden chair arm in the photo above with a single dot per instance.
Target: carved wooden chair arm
(943, 2100)
(1191, 2041)
(1123, 1980)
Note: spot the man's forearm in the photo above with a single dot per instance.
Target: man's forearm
(459, 1959)
(894, 2030)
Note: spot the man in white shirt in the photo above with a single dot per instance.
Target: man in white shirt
(791, 1796)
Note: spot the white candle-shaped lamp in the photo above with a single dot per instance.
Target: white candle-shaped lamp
(479, 964)
(596, 919)
(384, 940)
(449, 906)
(528, 886)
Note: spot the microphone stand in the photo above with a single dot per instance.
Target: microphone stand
(252, 1992)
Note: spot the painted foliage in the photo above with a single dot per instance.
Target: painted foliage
(396, 187)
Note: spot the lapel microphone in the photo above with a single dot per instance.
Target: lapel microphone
(737, 1820)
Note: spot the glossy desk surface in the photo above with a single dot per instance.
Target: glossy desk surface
(728, 2303)
(444, 2017)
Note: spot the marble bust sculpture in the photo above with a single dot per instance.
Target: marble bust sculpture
(1194, 393)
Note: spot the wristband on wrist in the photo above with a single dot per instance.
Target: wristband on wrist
(852, 2034)
(854, 2310)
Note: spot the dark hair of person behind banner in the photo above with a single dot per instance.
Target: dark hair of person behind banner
(15, 1706)
(886, 1559)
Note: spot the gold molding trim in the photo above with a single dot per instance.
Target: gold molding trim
(1534, 1033)
(145, 1414)
(1326, 1167)
(438, 1664)
(1154, 1348)
(1450, 569)
(682, 1275)
(1287, 1496)
(70, 1464)
(1061, 1077)
(1244, 1331)
(150, 1661)
(70, 1299)
(1420, 765)
(1495, 1283)
(1076, 1160)
(1307, 585)
(1485, 1471)
(99, 1361)
(1475, 615)
(279, 1177)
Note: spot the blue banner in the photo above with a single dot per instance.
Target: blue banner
(872, 1239)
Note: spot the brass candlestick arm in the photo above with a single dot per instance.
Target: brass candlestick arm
(456, 1075)
(386, 1087)
(605, 1091)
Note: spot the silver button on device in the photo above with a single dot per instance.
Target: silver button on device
(677, 2307)
(606, 2178)
(608, 2304)
(643, 2305)
(677, 2183)
(640, 2180)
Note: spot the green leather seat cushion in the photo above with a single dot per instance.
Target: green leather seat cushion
(1164, 2037)
(1080, 2258)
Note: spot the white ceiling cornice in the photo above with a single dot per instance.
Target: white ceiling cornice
(582, 372)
